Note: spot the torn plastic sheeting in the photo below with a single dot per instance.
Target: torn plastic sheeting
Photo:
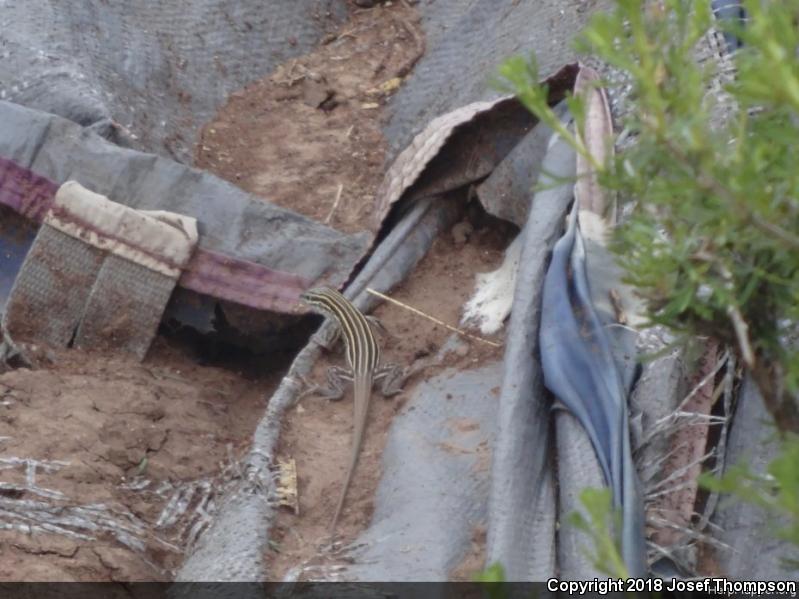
(425, 148)
(613, 301)
(577, 464)
(434, 489)
(522, 511)
(506, 191)
(579, 369)
(465, 44)
(605, 281)
(251, 252)
(754, 553)
(233, 546)
(474, 149)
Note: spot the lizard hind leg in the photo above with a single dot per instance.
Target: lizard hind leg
(334, 391)
(392, 379)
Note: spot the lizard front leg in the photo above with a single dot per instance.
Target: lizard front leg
(378, 326)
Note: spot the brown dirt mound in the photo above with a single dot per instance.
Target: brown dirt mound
(308, 137)
(108, 466)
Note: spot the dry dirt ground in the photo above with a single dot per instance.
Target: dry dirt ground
(308, 136)
(108, 465)
(108, 468)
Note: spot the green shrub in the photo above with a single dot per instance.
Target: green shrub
(712, 243)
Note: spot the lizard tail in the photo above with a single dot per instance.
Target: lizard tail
(362, 391)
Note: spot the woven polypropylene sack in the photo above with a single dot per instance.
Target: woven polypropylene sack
(124, 307)
(55, 281)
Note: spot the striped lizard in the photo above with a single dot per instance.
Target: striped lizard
(363, 359)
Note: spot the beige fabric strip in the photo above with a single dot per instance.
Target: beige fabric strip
(158, 240)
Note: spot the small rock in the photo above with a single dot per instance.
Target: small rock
(462, 349)
(330, 103)
(287, 94)
(461, 232)
(315, 93)
(155, 413)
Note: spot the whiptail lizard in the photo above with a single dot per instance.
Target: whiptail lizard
(363, 358)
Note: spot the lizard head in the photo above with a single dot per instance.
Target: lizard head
(322, 298)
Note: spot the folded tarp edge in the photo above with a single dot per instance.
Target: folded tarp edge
(578, 468)
(211, 273)
(522, 498)
(412, 161)
(158, 240)
(231, 221)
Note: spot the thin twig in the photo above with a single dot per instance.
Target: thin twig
(680, 472)
(721, 447)
(432, 319)
(161, 376)
(661, 424)
(335, 203)
(742, 334)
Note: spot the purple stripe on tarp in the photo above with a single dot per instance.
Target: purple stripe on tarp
(208, 272)
(254, 286)
(24, 191)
